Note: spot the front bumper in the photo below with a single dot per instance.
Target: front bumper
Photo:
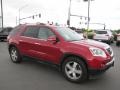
(100, 71)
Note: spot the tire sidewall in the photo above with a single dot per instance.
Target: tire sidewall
(117, 43)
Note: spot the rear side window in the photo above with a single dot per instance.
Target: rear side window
(14, 31)
(44, 33)
(31, 32)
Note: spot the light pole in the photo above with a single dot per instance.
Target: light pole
(2, 13)
(88, 15)
(69, 13)
(20, 10)
(88, 22)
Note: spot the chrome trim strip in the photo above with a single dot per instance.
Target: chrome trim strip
(111, 61)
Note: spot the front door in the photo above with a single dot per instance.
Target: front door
(47, 50)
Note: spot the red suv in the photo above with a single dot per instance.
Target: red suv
(76, 57)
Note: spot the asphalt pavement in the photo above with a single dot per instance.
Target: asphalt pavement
(36, 76)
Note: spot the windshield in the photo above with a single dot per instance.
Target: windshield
(69, 34)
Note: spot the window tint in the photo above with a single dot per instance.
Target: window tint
(44, 33)
(31, 32)
(68, 34)
(79, 31)
(100, 32)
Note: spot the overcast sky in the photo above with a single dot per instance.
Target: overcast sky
(101, 11)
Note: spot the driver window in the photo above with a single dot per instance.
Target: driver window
(44, 33)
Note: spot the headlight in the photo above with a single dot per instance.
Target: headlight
(97, 52)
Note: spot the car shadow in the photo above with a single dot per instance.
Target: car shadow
(54, 70)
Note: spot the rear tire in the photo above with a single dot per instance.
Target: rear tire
(1, 40)
(109, 42)
(117, 43)
(74, 69)
(15, 55)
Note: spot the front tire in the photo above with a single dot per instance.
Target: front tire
(117, 43)
(15, 55)
(1, 40)
(109, 42)
(74, 70)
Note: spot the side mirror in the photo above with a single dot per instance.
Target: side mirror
(52, 39)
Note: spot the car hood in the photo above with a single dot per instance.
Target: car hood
(91, 43)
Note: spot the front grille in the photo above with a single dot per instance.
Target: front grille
(109, 51)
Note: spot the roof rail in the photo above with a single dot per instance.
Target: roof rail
(38, 23)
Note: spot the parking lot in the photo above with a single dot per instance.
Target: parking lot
(36, 76)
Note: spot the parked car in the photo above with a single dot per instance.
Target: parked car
(75, 56)
(104, 35)
(118, 40)
(4, 33)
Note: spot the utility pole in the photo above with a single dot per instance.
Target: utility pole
(104, 26)
(19, 16)
(69, 14)
(88, 15)
(16, 20)
(20, 10)
(2, 13)
(88, 22)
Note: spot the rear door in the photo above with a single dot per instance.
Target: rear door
(27, 41)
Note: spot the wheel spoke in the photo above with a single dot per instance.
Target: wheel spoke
(70, 72)
(75, 65)
(73, 70)
(15, 57)
(69, 67)
(14, 54)
(78, 72)
(74, 75)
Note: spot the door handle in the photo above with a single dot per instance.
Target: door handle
(20, 40)
(37, 43)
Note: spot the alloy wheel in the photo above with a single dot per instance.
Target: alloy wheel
(73, 70)
(14, 55)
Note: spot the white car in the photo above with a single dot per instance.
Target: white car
(103, 35)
